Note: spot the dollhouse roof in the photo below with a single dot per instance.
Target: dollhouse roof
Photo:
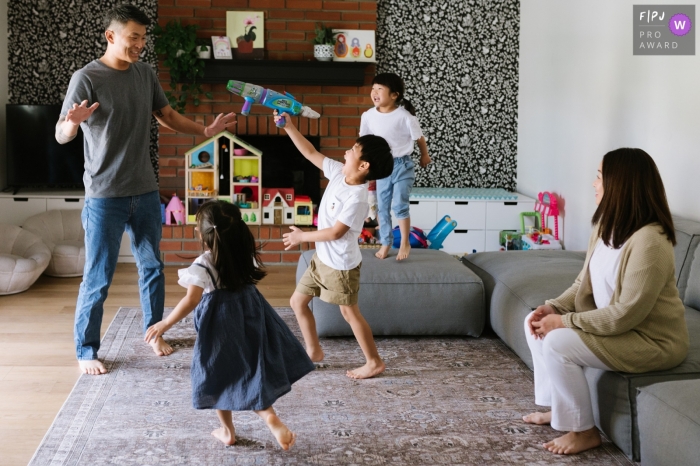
(273, 192)
(232, 137)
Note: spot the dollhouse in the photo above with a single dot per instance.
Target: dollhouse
(227, 168)
(278, 206)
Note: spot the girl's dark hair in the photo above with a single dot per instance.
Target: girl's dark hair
(122, 14)
(234, 253)
(395, 84)
(633, 197)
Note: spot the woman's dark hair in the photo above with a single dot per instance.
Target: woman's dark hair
(376, 151)
(395, 84)
(633, 197)
(122, 14)
(234, 253)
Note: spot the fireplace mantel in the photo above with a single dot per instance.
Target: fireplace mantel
(292, 72)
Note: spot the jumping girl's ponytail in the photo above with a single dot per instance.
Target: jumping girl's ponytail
(395, 84)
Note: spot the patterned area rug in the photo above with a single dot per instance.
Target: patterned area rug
(442, 401)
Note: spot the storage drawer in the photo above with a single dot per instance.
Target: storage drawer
(470, 215)
(15, 210)
(462, 241)
(505, 215)
(422, 213)
(65, 203)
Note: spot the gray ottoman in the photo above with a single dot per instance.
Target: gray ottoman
(430, 293)
(669, 423)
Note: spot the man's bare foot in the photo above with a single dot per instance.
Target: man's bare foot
(315, 354)
(284, 436)
(367, 371)
(226, 436)
(383, 252)
(404, 251)
(160, 347)
(574, 442)
(538, 418)
(92, 366)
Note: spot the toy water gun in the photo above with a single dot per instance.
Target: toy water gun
(269, 98)
(443, 228)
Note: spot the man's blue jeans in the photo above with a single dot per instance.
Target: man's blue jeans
(392, 194)
(104, 222)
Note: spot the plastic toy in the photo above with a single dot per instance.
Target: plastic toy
(440, 231)
(303, 210)
(528, 214)
(269, 98)
(416, 238)
(366, 237)
(175, 211)
(546, 205)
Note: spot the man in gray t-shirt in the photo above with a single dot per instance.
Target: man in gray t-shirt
(112, 100)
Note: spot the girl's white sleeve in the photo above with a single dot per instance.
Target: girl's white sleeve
(414, 127)
(195, 275)
(364, 125)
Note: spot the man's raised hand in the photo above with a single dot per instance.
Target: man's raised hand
(80, 113)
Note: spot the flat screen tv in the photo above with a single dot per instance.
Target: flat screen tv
(34, 158)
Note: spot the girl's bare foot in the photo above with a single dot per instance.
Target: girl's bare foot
(315, 354)
(538, 418)
(574, 442)
(226, 436)
(367, 371)
(284, 436)
(160, 347)
(92, 366)
(404, 251)
(383, 252)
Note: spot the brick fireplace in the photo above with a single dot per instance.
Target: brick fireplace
(289, 31)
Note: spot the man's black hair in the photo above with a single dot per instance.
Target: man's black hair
(377, 152)
(124, 13)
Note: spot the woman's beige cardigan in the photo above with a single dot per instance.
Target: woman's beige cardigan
(643, 329)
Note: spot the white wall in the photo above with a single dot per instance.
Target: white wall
(582, 93)
(3, 87)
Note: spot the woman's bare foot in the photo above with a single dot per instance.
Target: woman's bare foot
(92, 366)
(283, 435)
(574, 442)
(383, 252)
(367, 371)
(404, 251)
(315, 354)
(160, 347)
(226, 436)
(538, 418)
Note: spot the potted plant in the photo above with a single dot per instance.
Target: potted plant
(204, 48)
(179, 45)
(245, 42)
(323, 43)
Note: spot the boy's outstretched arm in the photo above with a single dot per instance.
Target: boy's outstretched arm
(305, 147)
(297, 236)
(183, 308)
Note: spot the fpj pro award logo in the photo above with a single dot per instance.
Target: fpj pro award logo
(664, 29)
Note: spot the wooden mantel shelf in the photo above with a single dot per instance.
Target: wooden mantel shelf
(311, 73)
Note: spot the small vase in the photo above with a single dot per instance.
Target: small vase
(323, 52)
(204, 54)
(245, 46)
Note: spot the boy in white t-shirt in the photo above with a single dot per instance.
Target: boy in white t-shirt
(334, 271)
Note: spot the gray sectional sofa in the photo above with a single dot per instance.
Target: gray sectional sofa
(653, 416)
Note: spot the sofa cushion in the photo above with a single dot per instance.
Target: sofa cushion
(669, 422)
(692, 285)
(430, 293)
(687, 243)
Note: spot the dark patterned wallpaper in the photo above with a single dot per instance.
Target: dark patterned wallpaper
(48, 40)
(459, 60)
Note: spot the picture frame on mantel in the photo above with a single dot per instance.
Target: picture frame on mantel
(354, 45)
(221, 47)
(246, 29)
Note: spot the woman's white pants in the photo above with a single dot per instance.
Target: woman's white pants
(559, 360)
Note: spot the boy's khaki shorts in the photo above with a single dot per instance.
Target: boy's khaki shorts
(332, 286)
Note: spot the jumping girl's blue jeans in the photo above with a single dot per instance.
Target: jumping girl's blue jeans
(392, 194)
(104, 222)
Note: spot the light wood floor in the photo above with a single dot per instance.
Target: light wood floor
(37, 358)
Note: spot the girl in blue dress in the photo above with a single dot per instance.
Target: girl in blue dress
(245, 357)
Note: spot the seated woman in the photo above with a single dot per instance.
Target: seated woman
(622, 313)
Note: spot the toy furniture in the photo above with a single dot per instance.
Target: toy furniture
(517, 282)
(303, 210)
(23, 258)
(546, 205)
(227, 168)
(62, 231)
(175, 212)
(431, 293)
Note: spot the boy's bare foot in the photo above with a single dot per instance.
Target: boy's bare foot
(226, 436)
(315, 354)
(574, 442)
(92, 366)
(404, 251)
(160, 347)
(538, 418)
(383, 252)
(367, 371)
(284, 436)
